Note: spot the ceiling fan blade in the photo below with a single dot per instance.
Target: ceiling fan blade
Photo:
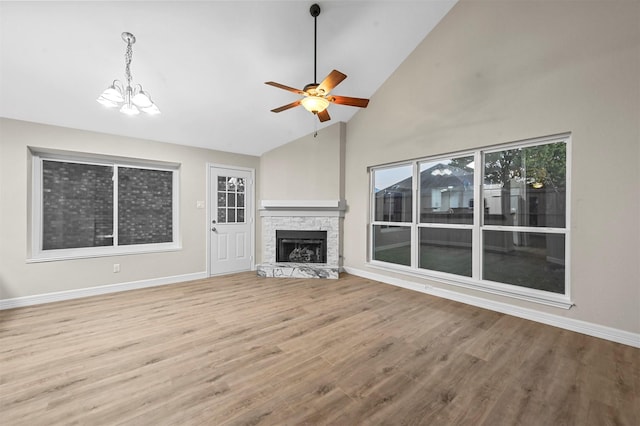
(282, 86)
(324, 115)
(334, 78)
(286, 107)
(346, 100)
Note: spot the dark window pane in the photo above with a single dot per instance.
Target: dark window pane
(77, 205)
(446, 250)
(222, 183)
(231, 215)
(222, 199)
(446, 191)
(231, 199)
(222, 215)
(240, 186)
(231, 184)
(393, 189)
(145, 206)
(240, 216)
(526, 186)
(392, 244)
(525, 259)
(240, 200)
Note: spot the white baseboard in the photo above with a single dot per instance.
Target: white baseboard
(579, 326)
(37, 299)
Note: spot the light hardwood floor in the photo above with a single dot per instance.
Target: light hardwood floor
(247, 350)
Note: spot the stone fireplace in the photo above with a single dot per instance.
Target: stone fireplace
(301, 239)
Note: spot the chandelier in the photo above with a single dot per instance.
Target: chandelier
(131, 100)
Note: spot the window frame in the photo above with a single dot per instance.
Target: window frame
(475, 282)
(35, 250)
(372, 213)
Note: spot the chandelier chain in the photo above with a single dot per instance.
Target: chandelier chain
(127, 60)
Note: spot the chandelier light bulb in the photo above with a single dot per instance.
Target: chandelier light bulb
(142, 100)
(129, 109)
(113, 93)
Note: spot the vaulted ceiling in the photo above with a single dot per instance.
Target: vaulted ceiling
(203, 62)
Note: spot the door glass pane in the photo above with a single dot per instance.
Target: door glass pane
(393, 189)
(77, 205)
(446, 191)
(222, 199)
(222, 183)
(240, 186)
(240, 218)
(222, 215)
(526, 186)
(392, 244)
(446, 250)
(231, 215)
(231, 199)
(231, 184)
(240, 200)
(525, 259)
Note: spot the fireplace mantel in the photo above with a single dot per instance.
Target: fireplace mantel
(302, 208)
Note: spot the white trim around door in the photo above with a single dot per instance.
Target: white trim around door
(249, 212)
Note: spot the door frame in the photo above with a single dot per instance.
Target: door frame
(250, 195)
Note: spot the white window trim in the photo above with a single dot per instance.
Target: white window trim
(35, 251)
(513, 291)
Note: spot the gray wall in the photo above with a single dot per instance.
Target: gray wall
(494, 72)
(309, 168)
(20, 278)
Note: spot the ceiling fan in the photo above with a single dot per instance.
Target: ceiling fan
(316, 96)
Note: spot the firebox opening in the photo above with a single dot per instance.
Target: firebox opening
(301, 246)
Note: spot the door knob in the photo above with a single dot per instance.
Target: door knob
(214, 229)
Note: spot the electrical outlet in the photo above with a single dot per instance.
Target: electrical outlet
(116, 267)
(200, 204)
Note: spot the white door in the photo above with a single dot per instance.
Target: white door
(231, 220)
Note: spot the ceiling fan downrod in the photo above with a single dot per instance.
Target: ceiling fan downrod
(315, 11)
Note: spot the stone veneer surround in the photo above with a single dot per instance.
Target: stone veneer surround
(301, 216)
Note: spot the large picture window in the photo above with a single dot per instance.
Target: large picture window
(91, 206)
(492, 219)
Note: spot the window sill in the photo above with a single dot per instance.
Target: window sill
(506, 290)
(72, 254)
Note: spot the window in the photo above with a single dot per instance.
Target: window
(85, 206)
(512, 241)
(446, 215)
(393, 208)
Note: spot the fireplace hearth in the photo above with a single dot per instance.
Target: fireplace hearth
(301, 246)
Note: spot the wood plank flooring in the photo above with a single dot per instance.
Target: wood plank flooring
(245, 350)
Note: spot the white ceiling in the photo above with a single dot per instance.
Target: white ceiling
(204, 63)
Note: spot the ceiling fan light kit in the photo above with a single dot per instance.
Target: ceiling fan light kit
(314, 104)
(316, 96)
(131, 100)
